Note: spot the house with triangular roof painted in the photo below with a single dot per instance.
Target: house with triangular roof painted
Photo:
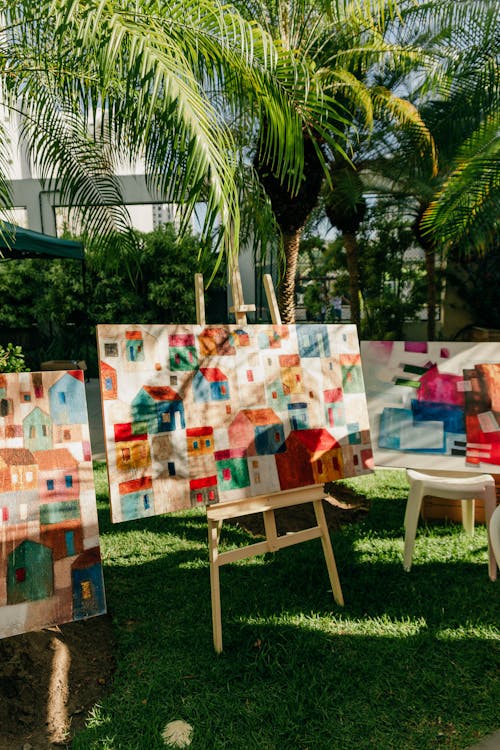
(311, 457)
(210, 384)
(158, 409)
(257, 432)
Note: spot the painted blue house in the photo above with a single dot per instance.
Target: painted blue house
(67, 400)
(37, 431)
(210, 384)
(298, 416)
(87, 584)
(158, 409)
(313, 341)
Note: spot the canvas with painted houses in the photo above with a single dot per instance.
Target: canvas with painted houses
(199, 415)
(50, 563)
(434, 405)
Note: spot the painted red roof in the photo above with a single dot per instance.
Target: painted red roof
(213, 374)
(124, 432)
(198, 484)
(17, 456)
(57, 458)
(316, 441)
(162, 393)
(135, 485)
(261, 416)
(199, 431)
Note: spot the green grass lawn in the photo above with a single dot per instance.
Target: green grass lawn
(410, 663)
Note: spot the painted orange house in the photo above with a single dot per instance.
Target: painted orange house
(311, 457)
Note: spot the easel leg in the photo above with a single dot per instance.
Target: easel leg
(214, 529)
(328, 552)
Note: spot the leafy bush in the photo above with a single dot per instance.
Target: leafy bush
(12, 359)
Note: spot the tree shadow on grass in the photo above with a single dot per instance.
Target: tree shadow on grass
(298, 672)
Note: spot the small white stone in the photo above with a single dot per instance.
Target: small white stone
(177, 733)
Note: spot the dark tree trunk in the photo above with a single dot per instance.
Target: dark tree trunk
(286, 287)
(351, 249)
(292, 212)
(425, 241)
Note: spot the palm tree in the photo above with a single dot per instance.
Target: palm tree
(459, 204)
(339, 44)
(95, 82)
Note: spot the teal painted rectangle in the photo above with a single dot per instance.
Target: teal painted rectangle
(68, 510)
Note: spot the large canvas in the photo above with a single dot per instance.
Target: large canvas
(434, 405)
(50, 564)
(200, 415)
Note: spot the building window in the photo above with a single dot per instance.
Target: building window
(126, 454)
(110, 350)
(211, 495)
(256, 477)
(5, 514)
(171, 468)
(223, 390)
(29, 476)
(32, 432)
(146, 502)
(50, 484)
(44, 430)
(277, 437)
(26, 397)
(250, 376)
(226, 474)
(195, 445)
(20, 575)
(68, 480)
(67, 435)
(86, 589)
(4, 407)
(319, 464)
(228, 409)
(108, 384)
(199, 497)
(62, 397)
(173, 380)
(207, 443)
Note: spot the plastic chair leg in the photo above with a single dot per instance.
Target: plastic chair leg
(468, 508)
(412, 513)
(494, 532)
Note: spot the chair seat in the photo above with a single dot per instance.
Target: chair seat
(464, 488)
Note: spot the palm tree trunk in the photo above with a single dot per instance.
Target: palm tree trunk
(351, 249)
(286, 286)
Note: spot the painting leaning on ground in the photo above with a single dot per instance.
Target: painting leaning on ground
(50, 564)
(434, 405)
(199, 415)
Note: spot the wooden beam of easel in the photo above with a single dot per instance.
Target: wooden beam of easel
(265, 504)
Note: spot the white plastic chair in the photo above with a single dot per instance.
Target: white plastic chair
(495, 534)
(465, 488)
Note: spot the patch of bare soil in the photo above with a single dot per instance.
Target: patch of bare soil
(50, 679)
(342, 506)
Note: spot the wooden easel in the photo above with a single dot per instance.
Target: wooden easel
(265, 504)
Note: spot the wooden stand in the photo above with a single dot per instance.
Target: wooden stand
(265, 504)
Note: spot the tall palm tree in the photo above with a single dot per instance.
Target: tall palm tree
(150, 80)
(340, 44)
(459, 204)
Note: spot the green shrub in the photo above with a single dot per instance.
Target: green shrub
(12, 359)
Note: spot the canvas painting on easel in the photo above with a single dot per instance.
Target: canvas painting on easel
(434, 405)
(50, 564)
(199, 415)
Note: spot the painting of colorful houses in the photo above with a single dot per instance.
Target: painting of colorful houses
(200, 415)
(434, 405)
(50, 564)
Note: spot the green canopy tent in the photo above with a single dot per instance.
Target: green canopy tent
(17, 243)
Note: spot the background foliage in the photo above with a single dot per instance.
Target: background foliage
(49, 308)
